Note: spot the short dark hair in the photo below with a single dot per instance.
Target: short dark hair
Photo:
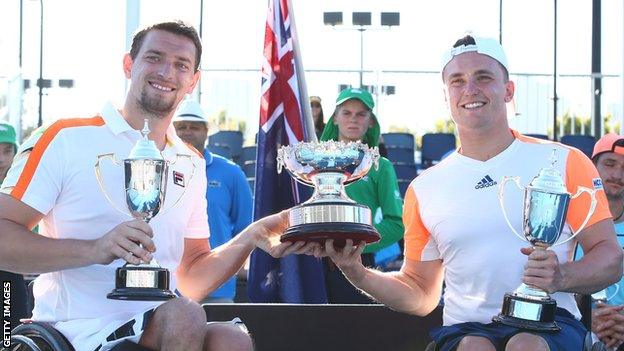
(469, 40)
(176, 27)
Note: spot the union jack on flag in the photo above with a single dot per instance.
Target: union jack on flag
(283, 85)
(284, 120)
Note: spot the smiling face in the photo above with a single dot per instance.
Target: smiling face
(476, 91)
(162, 72)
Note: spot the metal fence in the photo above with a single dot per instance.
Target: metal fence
(417, 102)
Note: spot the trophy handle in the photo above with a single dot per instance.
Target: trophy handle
(601, 296)
(280, 160)
(100, 179)
(178, 156)
(501, 190)
(592, 208)
(375, 156)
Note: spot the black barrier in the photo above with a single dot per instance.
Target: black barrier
(289, 327)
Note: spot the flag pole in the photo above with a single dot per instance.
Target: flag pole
(309, 134)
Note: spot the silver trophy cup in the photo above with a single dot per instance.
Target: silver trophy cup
(329, 214)
(546, 201)
(145, 186)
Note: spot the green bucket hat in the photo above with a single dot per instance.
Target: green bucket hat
(7, 134)
(356, 93)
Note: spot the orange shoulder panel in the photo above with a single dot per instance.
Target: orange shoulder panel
(41, 145)
(580, 172)
(416, 235)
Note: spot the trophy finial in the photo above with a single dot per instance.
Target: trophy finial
(145, 131)
(145, 148)
(549, 179)
(553, 157)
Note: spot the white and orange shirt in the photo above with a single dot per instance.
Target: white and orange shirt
(54, 173)
(452, 213)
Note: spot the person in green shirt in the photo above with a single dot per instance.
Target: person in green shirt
(354, 120)
(17, 289)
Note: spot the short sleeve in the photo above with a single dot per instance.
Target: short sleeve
(419, 243)
(580, 172)
(36, 175)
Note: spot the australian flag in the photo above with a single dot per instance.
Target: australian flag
(284, 120)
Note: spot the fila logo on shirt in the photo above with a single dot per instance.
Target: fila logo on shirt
(178, 178)
(486, 182)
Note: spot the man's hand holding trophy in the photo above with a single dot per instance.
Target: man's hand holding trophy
(145, 179)
(546, 202)
(329, 213)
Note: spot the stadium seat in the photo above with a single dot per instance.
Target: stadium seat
(230, 138)
(405, 171)
(221, 150)
(248, 154)
(402, 140)
(400, 155)
(434, 147)
(249, 168)
(584, 143)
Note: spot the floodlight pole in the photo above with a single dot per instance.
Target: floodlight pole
(361, 55)
(40, 121)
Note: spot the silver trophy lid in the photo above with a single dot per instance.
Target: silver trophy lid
(145, 148)
(549, 179)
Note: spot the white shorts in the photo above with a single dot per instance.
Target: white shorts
(84, 339)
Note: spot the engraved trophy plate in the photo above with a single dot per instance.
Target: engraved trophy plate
(145, 186)
(141, 279)
(329, 214)
(546, 202)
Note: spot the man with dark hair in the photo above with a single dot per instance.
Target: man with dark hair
(175, 27)
(608, 314)
(83, 239)
(455, 230)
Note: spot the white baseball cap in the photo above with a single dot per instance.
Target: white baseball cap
(191, 111)
(484, 46)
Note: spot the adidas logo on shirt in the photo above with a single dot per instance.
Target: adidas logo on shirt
(486, 182)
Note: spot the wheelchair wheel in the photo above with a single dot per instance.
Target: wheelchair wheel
(37, 336)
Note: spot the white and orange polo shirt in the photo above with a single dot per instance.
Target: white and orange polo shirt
(54, 173)
(452, 213)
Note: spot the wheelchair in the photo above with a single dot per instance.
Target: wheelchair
(41, 336)
(584, 304)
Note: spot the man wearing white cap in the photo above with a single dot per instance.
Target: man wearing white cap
(455, 230)
(228, 193)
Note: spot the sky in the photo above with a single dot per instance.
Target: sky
(87, 44)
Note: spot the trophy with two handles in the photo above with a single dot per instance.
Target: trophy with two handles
(546, 202)
(329, 214)
(145, 186)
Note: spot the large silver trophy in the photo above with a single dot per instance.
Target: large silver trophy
(546, 201)
(145, 186)
(329, 213)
